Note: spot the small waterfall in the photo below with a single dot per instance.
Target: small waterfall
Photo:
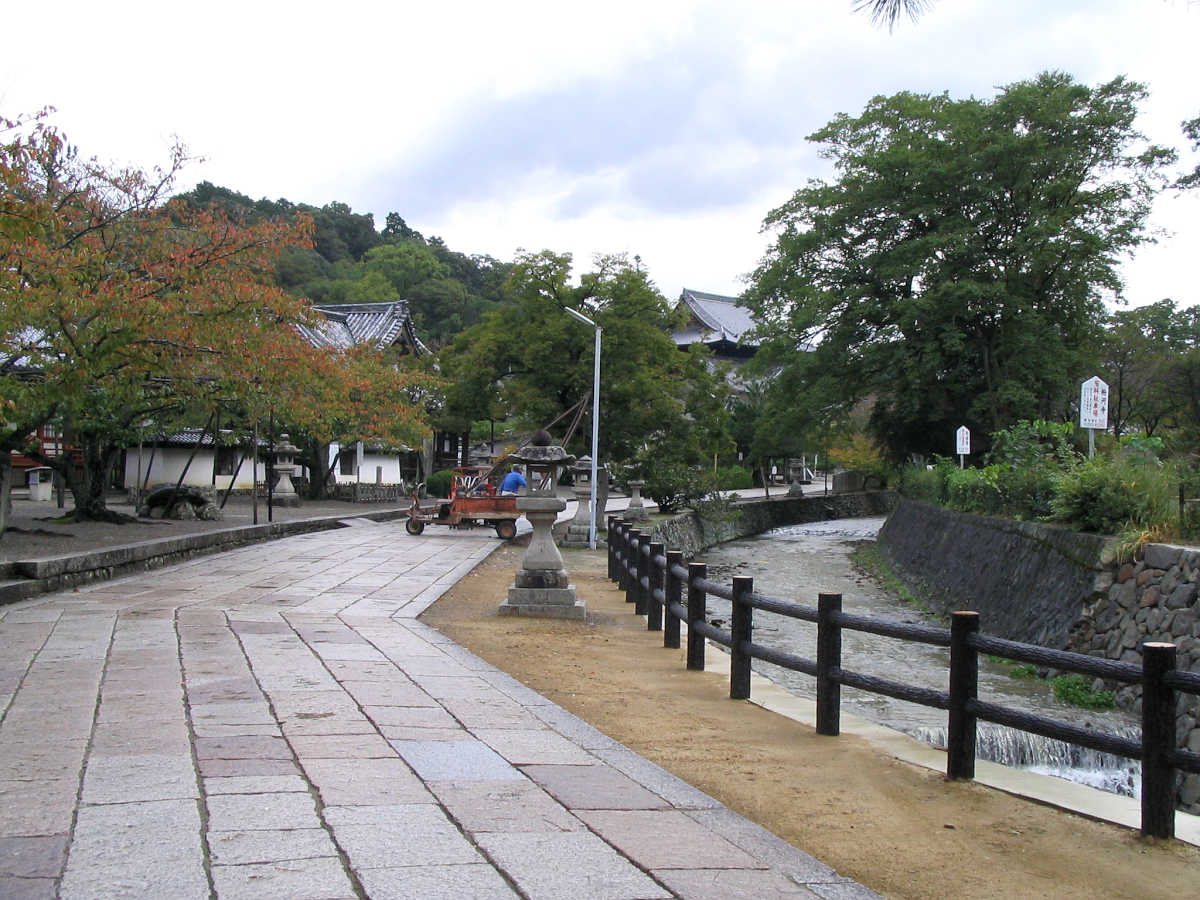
(1046, 756)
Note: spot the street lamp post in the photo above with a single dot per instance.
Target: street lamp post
(575, 314)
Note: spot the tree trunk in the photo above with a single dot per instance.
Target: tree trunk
(5, 491)
(89, 487)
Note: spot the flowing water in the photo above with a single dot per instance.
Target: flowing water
(797, 562)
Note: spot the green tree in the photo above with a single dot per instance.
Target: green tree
(531, 361)
(955, 270)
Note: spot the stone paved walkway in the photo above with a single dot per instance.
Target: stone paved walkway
(274, 722)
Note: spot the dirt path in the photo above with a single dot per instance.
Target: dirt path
(902, 830)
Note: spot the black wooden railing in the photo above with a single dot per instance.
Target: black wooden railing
(655, 581)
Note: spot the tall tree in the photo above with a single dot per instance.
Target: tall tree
(955, 270)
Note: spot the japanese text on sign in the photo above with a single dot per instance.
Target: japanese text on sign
(1093, 404)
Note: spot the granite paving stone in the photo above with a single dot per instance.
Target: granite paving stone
(642, 836)
(528, 746)
(505, 806)
(322, 878)
(731, 884)
(14, 887)
(254, 784)
(583, 866)
(674, 790)
(33, 857)
(341, 746)
(219, 768)
(474, 881)
(405, 835)
(260, 812)
(242, 747)
(593, 787)
(399, 691)
(433, 716)
(124, 779)
(455, 761)
(149, 850)
(269, 845)
(365, 782)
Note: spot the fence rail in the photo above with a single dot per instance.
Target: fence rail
(668, 592)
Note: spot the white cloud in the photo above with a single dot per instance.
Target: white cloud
(667, 129)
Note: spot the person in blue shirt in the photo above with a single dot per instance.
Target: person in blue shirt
(512, 482)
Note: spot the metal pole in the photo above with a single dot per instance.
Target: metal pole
(595, 436)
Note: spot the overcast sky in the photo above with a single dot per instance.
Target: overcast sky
(659, 128)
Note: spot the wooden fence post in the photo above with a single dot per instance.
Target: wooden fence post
(1158, 739)
(611, 544)
(631, 566)
(673, 592)
(829, 662)
(741, 630)
(642, 575)
(654, 608)
(964, 687)
(695, 607)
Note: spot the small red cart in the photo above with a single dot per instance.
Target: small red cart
(474, 500)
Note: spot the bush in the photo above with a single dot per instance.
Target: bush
(928, 484)
(975, 490)
(1098, 496)
(438, 484)
(734, 478)
(1028, 493)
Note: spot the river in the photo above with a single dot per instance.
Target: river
(797, 562)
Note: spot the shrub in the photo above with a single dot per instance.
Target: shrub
(1107, 496)
(975, 490)
(1028, 492)
(438, 484)
(929, 484)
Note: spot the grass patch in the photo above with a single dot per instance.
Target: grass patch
(1076, 690)
(869, 557)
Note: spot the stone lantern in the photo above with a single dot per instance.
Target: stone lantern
(796, 474)
(541, 586)
(284, 493)
(580, 527)
(636, 510)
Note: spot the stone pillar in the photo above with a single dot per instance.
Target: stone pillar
(636, 512)
(284, 493)
(601, 495)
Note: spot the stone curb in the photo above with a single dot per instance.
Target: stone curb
(53, 573)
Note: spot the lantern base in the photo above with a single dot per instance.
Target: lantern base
(546, 603)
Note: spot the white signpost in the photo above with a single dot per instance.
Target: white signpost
(962, 439)
(1093, 410)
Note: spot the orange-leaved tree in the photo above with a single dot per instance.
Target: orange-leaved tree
(119, 307)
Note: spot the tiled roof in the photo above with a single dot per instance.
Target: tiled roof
(379, 324)
(715, 318)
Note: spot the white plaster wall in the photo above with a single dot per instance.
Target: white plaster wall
(390, 463)
(168, 463)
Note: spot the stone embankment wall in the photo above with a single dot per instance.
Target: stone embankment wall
(1028, 582)
(692, 533)
(1049, 586)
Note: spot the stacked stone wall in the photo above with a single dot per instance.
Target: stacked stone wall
(1152, 599)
